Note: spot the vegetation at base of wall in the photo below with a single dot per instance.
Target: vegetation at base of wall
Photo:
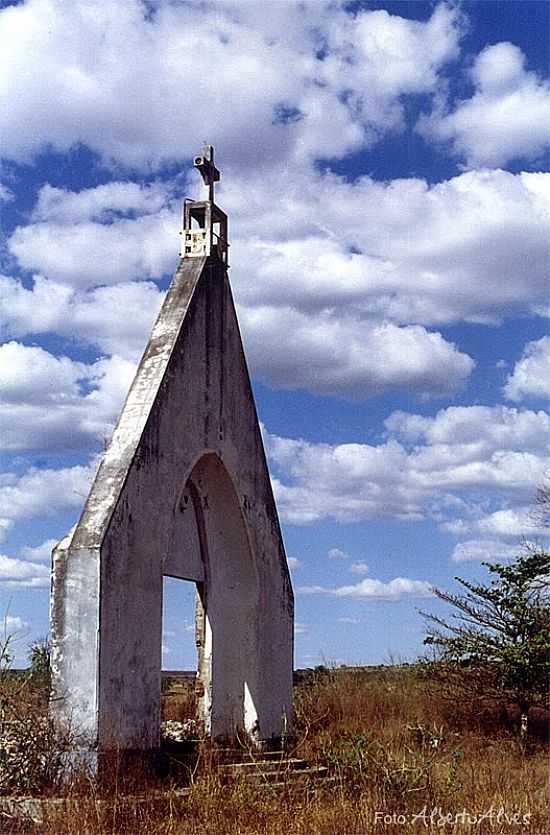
(455, 744)
(30, 748)
(392, 746)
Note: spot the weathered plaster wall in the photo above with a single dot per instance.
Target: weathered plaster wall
(231, 601)
(74, 617)
(187, 454)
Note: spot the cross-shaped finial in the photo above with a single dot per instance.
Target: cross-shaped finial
(208, 171)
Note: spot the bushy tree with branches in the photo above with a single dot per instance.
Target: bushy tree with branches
(498, 636)
(542, 504)
(39, 657)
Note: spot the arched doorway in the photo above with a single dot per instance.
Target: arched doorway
(227, 602)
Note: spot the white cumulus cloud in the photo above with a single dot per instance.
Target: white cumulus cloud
(43, 492)
(511, 525)
(337, 283)
(15, 574)
(531, 374)
(54, 403)
(395, 589)
(359, 568)
(483, 550)
(142, 86)
(345, 356)
(39, 552)
(12, 623)
(429, 467)
(337, 554)
(75, 243)
(507, 117)
(31, 374)
(6, 194)
(95, 317)
(471, 248)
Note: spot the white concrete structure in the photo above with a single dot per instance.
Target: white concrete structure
(183, 490)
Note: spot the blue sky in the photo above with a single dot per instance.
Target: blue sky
(385, 170)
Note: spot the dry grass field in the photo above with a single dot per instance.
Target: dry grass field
(400, 759)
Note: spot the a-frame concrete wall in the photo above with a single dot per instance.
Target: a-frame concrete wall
(183, 489)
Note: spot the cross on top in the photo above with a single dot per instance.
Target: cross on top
(207, 169)
(205, 224)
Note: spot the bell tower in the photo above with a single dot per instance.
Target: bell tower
(204, 223)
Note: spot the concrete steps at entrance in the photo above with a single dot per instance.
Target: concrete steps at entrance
(264, 765)
(270, 768)
(240, 755)
(273, 768)
(274, 771)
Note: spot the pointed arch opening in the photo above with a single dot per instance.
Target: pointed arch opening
(216, 554)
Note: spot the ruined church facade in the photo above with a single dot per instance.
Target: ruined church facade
(183, 490)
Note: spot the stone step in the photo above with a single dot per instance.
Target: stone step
(312, 784)
(264, 765)
(228, 756)
(251, 752)
(291, 776)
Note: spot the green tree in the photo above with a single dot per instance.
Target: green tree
(500, 631)
(39, 657)
(541, 514)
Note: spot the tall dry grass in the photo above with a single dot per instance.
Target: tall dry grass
(394, 749)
